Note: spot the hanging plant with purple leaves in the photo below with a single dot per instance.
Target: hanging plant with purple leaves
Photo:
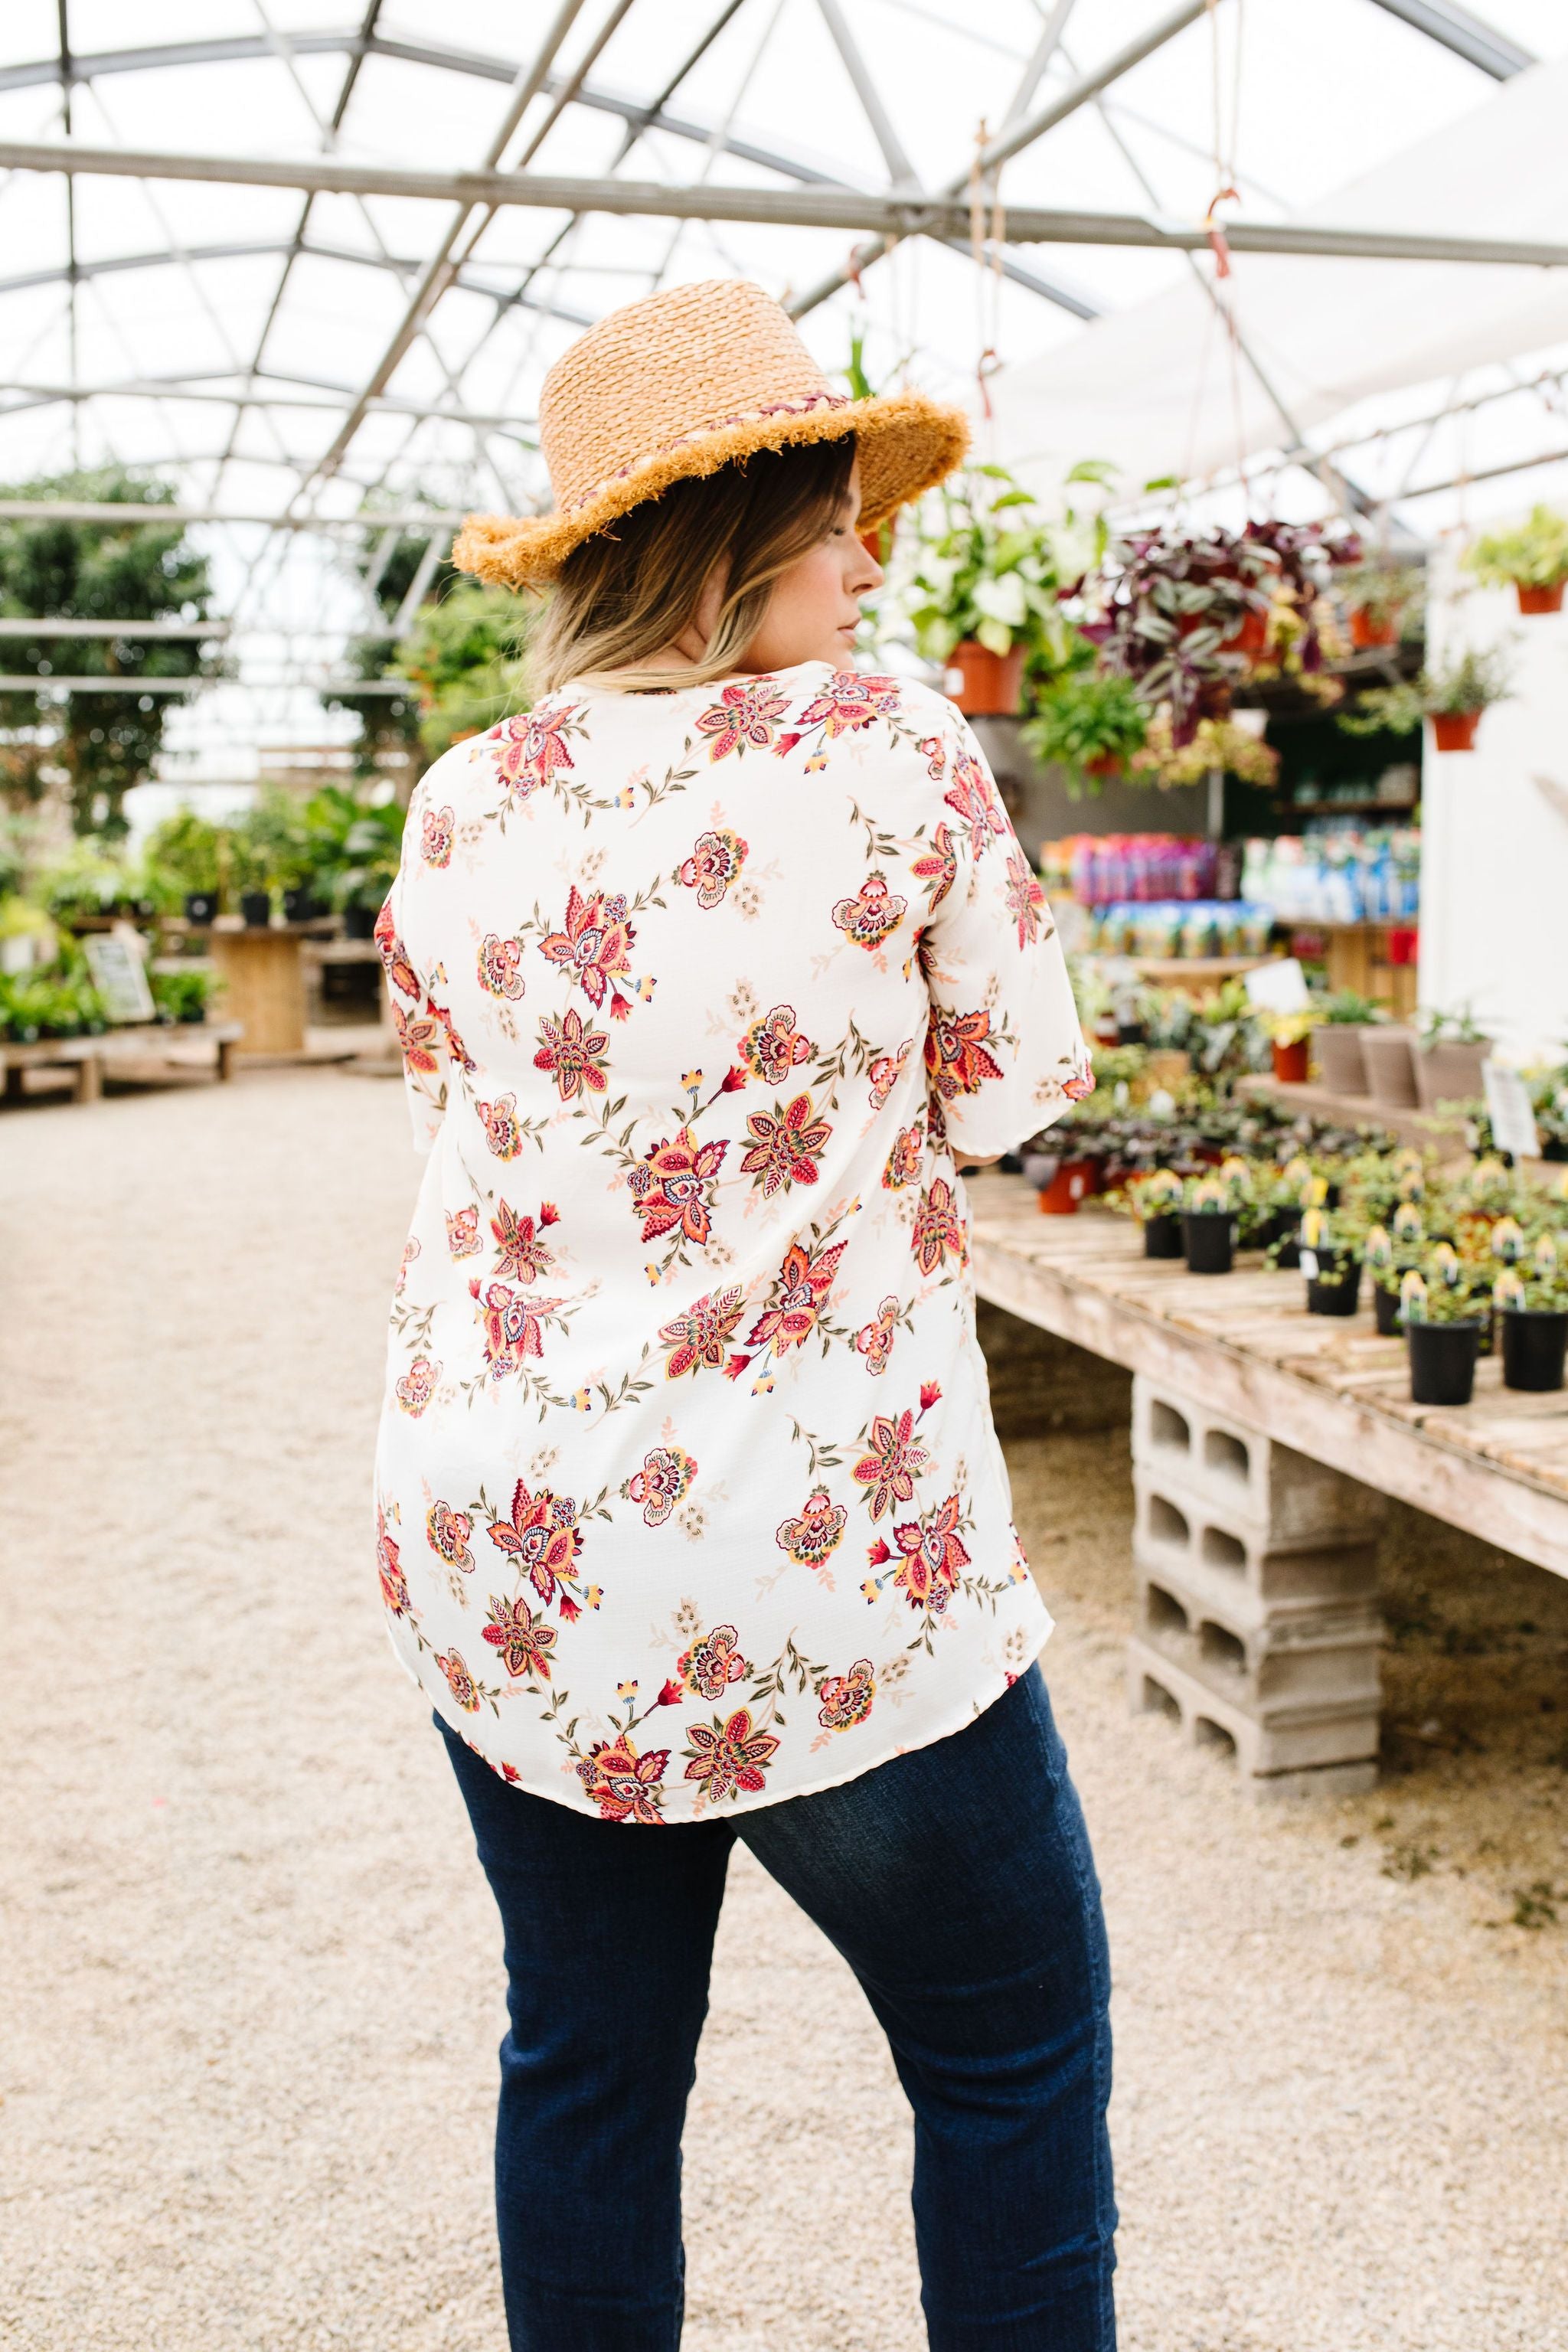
(1186, 615)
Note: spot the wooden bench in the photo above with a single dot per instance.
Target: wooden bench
(87, 1058)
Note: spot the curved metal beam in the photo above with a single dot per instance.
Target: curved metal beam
(1454, 29)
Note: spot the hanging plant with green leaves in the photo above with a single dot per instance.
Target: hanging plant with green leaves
(1087, 723)
(987, 568)
(465, 654)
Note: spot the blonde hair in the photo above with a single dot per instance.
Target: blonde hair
(630, 591)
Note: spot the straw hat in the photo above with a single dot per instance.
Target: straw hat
(681, 383)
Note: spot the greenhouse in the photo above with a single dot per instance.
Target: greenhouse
(902, 669)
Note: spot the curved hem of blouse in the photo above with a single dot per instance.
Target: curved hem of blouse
(974, 1706)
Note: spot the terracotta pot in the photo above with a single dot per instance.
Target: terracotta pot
(1389, 1054)
(1290, 1062)
(1366, 633)
(1073, 1183)
(1342, 1064)
(985, 684)
(1106, 763)
(1449, 1073)
(1250, 639)
(1540, 600)
(1455, 731)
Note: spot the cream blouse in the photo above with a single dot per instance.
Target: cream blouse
(687, 1495)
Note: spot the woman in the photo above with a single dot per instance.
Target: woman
(691, 1517)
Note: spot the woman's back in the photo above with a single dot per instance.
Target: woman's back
(689, 1490)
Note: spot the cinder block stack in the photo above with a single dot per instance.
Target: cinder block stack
(1258, 1622)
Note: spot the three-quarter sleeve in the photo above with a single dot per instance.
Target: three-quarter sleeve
(1004, 1052)
(423, 1034)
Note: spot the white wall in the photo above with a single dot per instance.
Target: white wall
(1494, 865)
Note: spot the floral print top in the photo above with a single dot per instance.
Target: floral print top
(687, 1495)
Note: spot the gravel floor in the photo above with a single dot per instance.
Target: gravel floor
(251, 1978)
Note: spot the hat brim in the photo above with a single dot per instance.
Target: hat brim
(906, 442)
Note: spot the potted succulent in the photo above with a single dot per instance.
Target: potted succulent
(1156, 1201)
(1448, 1059)
(1532, 559)
(1340, 1020)
(1531, 1300)
(1389, 1057)
(1211, 1209)
(1088, 724)
(1389, 1252)
(1442, 1335)
(982, 596)
(184, 997)
(1376, 597)
(1329, 1257)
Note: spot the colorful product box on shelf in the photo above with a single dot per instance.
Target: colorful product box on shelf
(1361, 875)
(1180, 927)
(1107, 868)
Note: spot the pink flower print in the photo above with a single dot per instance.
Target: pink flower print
(874, 1341)
(663, 1481)
(809, 1538)
(712, 1664)
(511, 1326)
(1025, 898)
(410, 1252)
(733, 1756)
(498, 1120)
(459, 1681)
(571, 1054)
(886, 1071)
(463, 1232)
(799, 1295)
(937, 867)
(501, 967)
(887, 1471)
(435, 837)
(971, 796)
(872, 914)
(399, 971)
(696, 1339)
(906, 1159)
(449, 1532)
(623, 1784)
(774, 1047)
(1080, 1084)
(530, 747)
(523, 1640)
(594, 946)
(933, 1557)
(744, 713)
(958, 1060)
(542, 1537)
(523, 1254)
(714, 863)
(393, 1583)
(417, 1386)
(672, 1187)
(787, 1145)
(938, 1228)
(849, 701)
(420, 1039)
(846, 1699)
(934, 752)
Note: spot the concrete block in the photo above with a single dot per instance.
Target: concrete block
(1285, 1500)
(1179, 1526)
(1265, 1659)
(1313, 1748)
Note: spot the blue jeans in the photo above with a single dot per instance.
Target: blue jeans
(957, 1882)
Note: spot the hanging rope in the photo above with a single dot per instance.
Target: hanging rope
(985, 241)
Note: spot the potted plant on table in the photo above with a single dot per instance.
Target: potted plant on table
(1443, 1325)
(1448, 1059)
(1389, 1252)
(1289, 1036)
(353, 843)
(1533, 560)
(982, 592)
(1212, 1208)
(1330, 1255)
(1340, 1020)
(1155, 1201)
(1531, 1300)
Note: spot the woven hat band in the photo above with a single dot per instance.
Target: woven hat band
(663, 371)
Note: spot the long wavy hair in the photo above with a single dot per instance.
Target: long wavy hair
(630, 591)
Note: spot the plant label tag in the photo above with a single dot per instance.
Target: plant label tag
(1508, 1107)
(1278, 987)
(117, 961)
(1309, 1264)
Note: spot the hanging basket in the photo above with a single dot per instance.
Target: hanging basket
(1455, 731)
(985, 684)
(1540, 600)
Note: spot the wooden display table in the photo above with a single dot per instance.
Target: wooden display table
(87, 1058)
(263, 972)
(1244, 1345)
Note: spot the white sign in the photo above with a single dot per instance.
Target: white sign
(1508, 1107)
(117, 961)
(1278, 987)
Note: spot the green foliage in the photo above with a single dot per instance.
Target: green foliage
(389, 723)
(182, 996)
(1535, 555)
(78, 570)
(91, 877)
(988, 568)
(1477, 678)
(183, 855)
(1384, 591)
(1081, 717)
(353, 841)
(1348, 1007)
(466, 656)
(55, 1001)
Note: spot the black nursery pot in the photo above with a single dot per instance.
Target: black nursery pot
(200, 906)
(1209, 1236)
(1534, 1347)
(1162, 1236)
(359, 922)
(1341, 1296)
(256, 906)
(1386, 1307)
(1442, 1361)
(299, 906)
